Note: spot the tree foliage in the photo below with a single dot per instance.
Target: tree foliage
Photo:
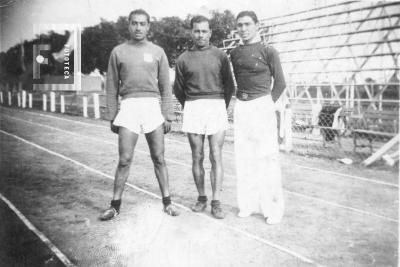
(97, 43)
(221, 24)
(171, 33)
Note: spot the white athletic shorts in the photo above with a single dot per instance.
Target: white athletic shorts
(139, 115)
(205, 116)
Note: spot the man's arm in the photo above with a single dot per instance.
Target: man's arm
(112, 87)
(179, 84)
(227, 79)
(277, 73)
(165, 88)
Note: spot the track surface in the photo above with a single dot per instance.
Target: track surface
(57, 170)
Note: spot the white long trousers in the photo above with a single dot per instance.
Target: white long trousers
(258, 170)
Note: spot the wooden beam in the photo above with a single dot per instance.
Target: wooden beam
(331, 25)
(349, 33)
(337, 58)
(374, 157)
(346, 71)
(391, 159)
(340, 45)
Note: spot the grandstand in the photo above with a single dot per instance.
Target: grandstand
(345, 55)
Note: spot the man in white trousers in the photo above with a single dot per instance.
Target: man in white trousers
(258, 171)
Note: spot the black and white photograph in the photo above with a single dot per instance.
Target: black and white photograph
(199, 133)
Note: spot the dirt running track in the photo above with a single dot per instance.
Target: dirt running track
(57, 170)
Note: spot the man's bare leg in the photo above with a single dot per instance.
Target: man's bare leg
(197, 146)
(126, 145)
(216, 142)
(155, 140)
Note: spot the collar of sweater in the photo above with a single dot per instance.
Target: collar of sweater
(138, 43)
(195, 48)
(256, 39)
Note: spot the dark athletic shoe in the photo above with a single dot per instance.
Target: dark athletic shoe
(217, 212)
(199, 206)
(109, 214)
(171, 210)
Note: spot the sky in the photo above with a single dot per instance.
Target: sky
(19, 17)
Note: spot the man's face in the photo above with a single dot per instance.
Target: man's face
(247, 28)
(138, 27)
(201, 34)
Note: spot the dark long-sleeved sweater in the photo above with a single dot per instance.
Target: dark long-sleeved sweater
(138, 70)
(254, 65)
(203, 73)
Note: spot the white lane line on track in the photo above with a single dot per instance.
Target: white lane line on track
(234, 229)
(334, 204)
(39, 234)
(348, 176)
(341, 175)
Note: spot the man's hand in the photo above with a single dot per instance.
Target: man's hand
(167, 126)
(114, 129)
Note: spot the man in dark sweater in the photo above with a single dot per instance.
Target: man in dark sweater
(204, 86)
(138, 72)
(258, 171)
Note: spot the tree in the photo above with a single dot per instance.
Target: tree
(172, 34)
(221, 24)
(97, 44)
(121, 27)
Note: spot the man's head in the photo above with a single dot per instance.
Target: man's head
(201, 32)
(139, 24)
(247, 25)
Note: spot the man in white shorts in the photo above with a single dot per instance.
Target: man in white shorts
(138, 72)
(204, 86)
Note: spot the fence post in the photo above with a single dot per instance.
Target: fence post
(52, 101)
(1, 97)
(44, 102)
(96, 106)
(19, 98)
(30, 100)
(62, 100)
(23, 99)
(9, 98)
(85, 106)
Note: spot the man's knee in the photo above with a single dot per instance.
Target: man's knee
(125, 161)
(215, 155)
(158, 159)
(198, 156)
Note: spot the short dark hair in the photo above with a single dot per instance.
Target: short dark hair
(248, 13)
(198, 19)
(139, 12)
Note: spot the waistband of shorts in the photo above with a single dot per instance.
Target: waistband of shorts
(243, 96)
(205, 96)
(140, 95)
(145, 98)
(257, 99)
(214, 100)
